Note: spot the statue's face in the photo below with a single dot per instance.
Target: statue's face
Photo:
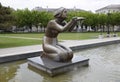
(64, 14)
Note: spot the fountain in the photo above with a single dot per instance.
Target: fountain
(104, 66)
(57, 58)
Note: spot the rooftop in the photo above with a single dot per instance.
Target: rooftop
(112, 6)
(53, 9)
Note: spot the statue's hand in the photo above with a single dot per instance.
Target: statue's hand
(78, 18)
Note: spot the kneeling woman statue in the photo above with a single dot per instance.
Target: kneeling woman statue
(51, 47)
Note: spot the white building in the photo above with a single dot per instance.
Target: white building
(53, 9)
(109, 9)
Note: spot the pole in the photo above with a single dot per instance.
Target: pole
(108, 25)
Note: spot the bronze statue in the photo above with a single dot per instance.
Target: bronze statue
(51, 47)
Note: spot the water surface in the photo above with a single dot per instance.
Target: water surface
(104, 66)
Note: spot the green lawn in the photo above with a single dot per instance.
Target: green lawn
(14, 42)
(28, 35)
(6, 42)
(77, 36)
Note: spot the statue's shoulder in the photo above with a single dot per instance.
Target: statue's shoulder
(52, 21)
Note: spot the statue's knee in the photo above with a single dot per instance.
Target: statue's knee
(62, 56)
(57, 58)
(71, 53)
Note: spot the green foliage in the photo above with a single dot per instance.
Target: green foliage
(115, 17)
(93, 20)
(24, 18)
(29, 18)
(90, 18)
(36, 18)
(45, 17)
(6, 18)
(102, 19)
(19, 19)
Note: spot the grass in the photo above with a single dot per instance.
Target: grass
(6, 42)
(28, 35)
(14, 42)
(77, 36)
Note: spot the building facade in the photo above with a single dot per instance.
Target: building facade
(109, 9)
(53, 9)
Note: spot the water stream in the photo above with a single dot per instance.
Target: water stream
(104, 66)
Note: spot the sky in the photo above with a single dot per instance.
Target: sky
(89, 5)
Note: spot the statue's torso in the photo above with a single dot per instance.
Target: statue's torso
(51, 30)
(52, 33)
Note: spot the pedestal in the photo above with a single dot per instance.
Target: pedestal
(53, 68)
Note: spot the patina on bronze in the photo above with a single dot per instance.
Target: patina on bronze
(51, 47)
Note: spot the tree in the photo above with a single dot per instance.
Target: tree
(45, 18)
(19, 20)
(28, 18)
(24, 18)
(6, 18)
(36, 18)
(102, 21)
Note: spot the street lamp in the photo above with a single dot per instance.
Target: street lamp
(108, 24)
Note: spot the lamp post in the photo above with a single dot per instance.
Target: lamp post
(108, 24)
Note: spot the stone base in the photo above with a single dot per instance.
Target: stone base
(53, 68)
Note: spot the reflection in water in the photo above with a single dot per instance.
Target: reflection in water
(8, 71)
(47, 78)
(104, 66)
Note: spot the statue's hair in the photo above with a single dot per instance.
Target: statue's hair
(58, 12)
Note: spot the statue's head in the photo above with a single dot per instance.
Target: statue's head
(60, 13)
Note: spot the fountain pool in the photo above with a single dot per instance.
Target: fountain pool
(104, 66)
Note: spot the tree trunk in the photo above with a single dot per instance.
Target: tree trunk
(30, 27)
(37, 27)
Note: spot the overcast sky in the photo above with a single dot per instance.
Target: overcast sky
(91, 5)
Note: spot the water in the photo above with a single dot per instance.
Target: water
(104, 66)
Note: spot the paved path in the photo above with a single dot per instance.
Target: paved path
(36, 48)
(17, 53)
